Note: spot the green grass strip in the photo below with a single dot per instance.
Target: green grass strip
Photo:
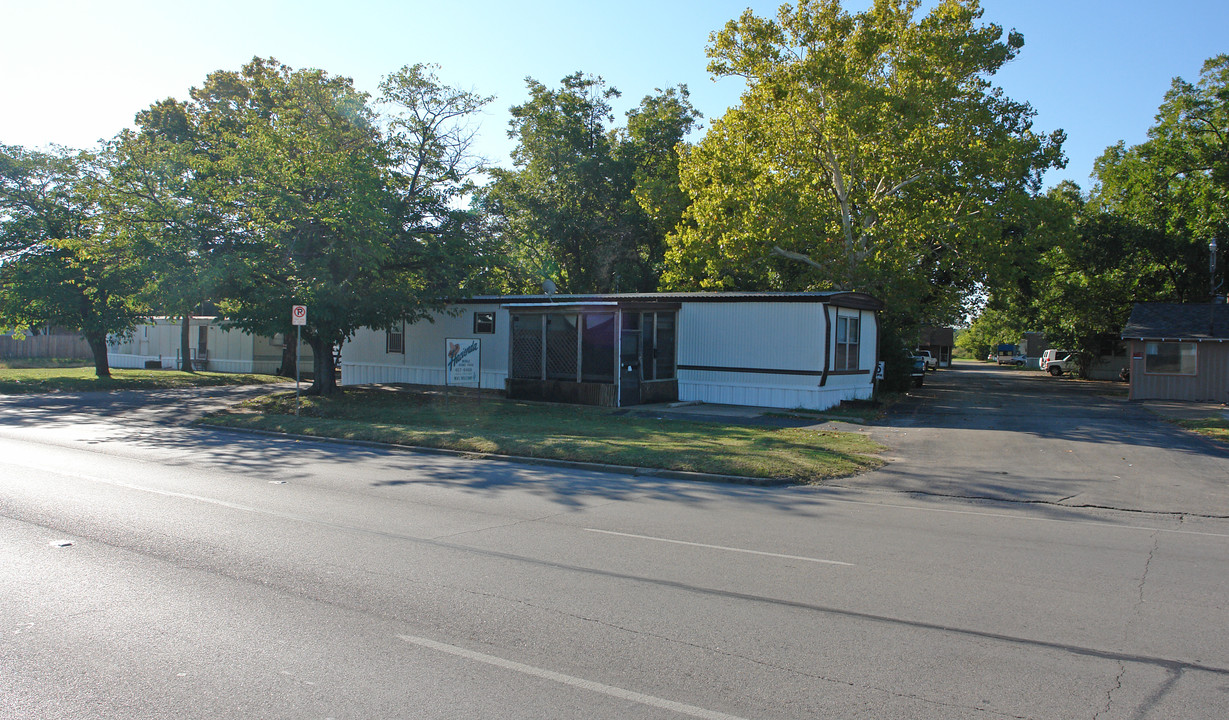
(1213, 427)
(562, 432)
(21, 381)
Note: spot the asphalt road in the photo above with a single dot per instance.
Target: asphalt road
(152, 570)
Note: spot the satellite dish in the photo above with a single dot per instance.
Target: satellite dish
(548, 287)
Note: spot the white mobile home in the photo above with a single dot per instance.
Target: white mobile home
(785, 350)
(213, 347)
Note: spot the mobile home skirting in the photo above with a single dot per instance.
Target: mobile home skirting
(168, 362)
(693, 388)
(368, 373)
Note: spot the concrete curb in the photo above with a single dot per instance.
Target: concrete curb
(520, 459)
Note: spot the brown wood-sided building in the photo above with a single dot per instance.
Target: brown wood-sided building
(1179, 351)
(940, 341)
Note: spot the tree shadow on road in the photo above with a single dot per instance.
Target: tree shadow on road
(158, 422)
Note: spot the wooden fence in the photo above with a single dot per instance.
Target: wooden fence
(45, 346)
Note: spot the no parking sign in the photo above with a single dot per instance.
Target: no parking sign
(298, 315)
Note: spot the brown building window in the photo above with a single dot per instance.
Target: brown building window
(1169, 358)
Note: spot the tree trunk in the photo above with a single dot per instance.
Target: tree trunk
(324, 381)
(98, 346)
(290, 361)
(185, 344)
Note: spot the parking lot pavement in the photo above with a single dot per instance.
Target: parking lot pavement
(978, 431)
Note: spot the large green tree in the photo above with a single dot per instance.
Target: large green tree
(587, 205)
(990, 329)
(871, 145)
(156, 193)
(324, 209)
(1141, 235)
(656, 131)
(59, 265)
(1176, 183)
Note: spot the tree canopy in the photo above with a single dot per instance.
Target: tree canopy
(871, 144)
(870, 150)
(1176, 183)
(588, 206)
(155, 191)
(323, 209)
(59, 265)
(1141, 235)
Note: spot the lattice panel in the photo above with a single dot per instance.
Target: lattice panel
(561, 347)
(527, 348)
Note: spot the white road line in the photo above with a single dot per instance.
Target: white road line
(721, 547)
(575, 682)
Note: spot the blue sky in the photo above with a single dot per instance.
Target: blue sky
(72, 72)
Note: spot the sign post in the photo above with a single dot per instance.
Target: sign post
(298, 318)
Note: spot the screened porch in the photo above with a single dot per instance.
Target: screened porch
(607, 353)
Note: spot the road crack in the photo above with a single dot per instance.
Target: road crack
(1136, 617)
(1109, 694)
(1143, 579)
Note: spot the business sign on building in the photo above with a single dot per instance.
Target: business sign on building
(461, 366)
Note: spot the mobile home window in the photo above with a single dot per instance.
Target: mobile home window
(848, 333)
(484, 323)
(394, 340)
(1169, 358)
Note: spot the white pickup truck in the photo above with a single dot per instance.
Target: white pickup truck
(932, 362)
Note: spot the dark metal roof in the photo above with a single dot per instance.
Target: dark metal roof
(837, 297)
(1177, 321)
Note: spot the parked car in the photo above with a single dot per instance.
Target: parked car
(1011, 358)
(932, 362)
(1057, 362)
(917, 369)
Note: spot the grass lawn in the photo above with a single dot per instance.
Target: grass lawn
(1213, 427)
(20, 363)
(20, 381)
(562, 432)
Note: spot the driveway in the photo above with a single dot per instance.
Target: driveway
(997, 433)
